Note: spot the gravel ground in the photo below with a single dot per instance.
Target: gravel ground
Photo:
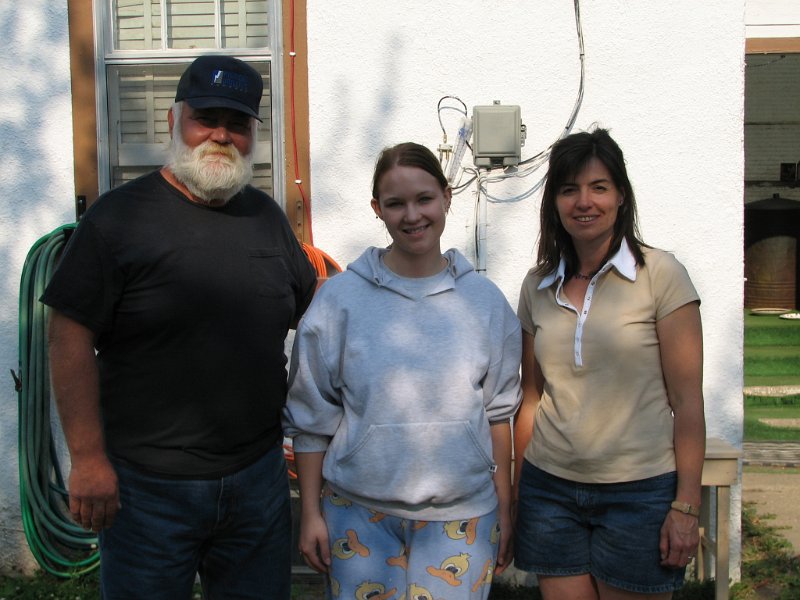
(776, 493)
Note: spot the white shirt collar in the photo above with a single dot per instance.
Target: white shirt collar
(623, 261)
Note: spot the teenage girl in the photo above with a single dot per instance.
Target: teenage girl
(404, 375)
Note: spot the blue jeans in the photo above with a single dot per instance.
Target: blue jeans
(234, 531)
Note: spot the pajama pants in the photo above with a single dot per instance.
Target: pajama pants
(375, 556)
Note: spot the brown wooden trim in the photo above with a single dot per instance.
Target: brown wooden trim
(772, 45)
(84, 117)
(294, 198)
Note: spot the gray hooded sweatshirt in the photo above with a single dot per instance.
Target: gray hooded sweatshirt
(398, 381)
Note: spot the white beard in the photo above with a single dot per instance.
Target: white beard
(212, 172)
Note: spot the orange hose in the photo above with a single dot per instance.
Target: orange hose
(288, 452)
(322, 262)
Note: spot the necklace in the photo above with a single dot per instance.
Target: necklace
(577, 275)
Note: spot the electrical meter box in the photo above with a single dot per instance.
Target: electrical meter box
(497, 135)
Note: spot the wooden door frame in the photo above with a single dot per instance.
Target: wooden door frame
(84, 116)
(295, 117)
(772, 45)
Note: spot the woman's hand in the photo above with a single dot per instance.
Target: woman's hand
(505, 550)
(314, 541)
(681, 339)
(501, 452)
(313, 530)
(680, 539)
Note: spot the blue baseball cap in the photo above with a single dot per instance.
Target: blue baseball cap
(214, 81)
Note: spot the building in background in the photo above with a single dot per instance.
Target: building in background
(772, 155)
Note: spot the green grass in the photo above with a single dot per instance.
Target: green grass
(692, 590)
(778, 361)
(47, 587)
(43, 586)
(771, 351)
(770, 408)
(756, 431)
(770, 331)
(771, 359)
(788, 400)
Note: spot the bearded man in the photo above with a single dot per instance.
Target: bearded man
(169, 312)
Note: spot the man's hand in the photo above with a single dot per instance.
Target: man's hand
(93, 490)
(93, 493)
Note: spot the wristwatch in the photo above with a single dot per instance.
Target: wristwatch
(685, 508)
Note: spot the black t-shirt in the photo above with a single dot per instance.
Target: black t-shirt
(191, 306)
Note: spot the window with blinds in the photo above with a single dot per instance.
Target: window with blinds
(190, 24)
(152, 42)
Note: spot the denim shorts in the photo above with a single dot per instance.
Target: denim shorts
(608, 530)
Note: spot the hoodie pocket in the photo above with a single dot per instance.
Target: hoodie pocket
(414, 463)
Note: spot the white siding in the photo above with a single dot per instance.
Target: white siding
(772, 18)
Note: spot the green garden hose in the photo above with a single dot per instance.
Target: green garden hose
(58, 544)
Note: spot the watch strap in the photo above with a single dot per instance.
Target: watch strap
(685, 508)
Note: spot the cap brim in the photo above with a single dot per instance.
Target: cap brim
(217, 102)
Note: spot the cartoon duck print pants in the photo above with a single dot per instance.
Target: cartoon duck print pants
(375, 556)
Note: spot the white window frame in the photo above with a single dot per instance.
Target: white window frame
(106, 55)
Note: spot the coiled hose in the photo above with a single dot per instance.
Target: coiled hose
(58, 544)
(323, 264)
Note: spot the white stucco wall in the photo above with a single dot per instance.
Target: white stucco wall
(666, 78)
(36, 191)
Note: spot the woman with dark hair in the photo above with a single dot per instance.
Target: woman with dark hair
(403, 381)
(611, 426)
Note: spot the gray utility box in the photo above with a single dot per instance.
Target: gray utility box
(497, 135)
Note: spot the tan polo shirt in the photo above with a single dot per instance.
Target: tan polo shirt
(604, 416)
